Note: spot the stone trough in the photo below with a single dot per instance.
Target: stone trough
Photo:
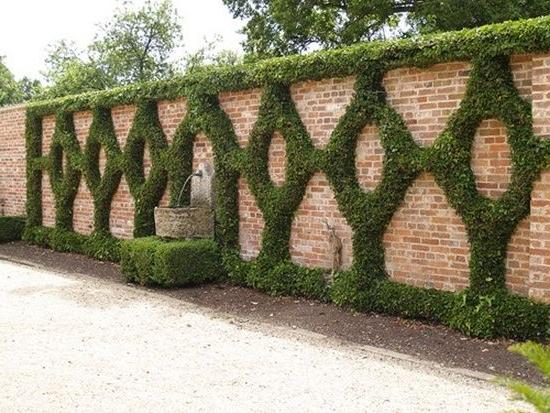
(195, 220)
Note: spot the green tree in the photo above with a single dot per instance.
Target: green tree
(279, 27)
(436, 16)
(70, 71)
(30, 88)
(10, 90)
(209, 55)
(135, 46)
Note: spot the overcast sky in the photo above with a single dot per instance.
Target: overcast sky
(28, 26)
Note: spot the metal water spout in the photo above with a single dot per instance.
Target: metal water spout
(197, 173)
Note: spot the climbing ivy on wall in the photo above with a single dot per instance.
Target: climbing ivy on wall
(484, 309)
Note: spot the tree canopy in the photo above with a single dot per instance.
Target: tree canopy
(134, 46)
(10, 91)
(13, 91)
(280, 27)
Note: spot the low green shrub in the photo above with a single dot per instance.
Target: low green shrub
(182, 263)
(237, 270)
(66, 241)
(153, 261)
(100, 245)
(539, 355)
(137, 259)
(496, 314)
(499, 313)
(55, 238)
(37, 235)
(392, 298)
(284, 278)
(287, 278)
(11, 228)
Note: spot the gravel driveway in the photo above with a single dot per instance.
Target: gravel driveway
(70, 343)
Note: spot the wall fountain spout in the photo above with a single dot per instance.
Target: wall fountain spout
(197, 173)
(195, 220)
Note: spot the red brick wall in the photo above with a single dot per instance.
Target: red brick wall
(83, 211)
(539, 247)
(121, 221)
(426, 242)
(12, 160)
(426, 97)
(242, 109)
(171, 113)
(320, 105)
(48, 201)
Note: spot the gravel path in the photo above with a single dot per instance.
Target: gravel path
(69, 343)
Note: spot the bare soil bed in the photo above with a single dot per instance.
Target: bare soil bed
(422, 340)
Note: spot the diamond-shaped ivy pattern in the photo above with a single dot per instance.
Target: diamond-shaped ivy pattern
(63, 169)
(490, 223)
(102, 184)
(369, 212)
(277, 114)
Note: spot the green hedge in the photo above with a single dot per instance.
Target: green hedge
(480, 315)
(285, 278)
(101, 246)
(152, 261)
(487, 309)
(11, 228)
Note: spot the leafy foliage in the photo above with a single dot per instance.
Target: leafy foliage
(134, 46)
(281, 27)
(100, 245)
(11, 228)
(539, 355)
(69, 71)
(13, 91)
(209, 55)
(436, 15)
(486, 309)
(152, 261)
(9, 91)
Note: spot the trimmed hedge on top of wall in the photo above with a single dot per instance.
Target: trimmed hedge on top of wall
(484, 309)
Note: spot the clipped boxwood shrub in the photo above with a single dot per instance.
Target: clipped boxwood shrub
(152, 261)
(189, 262)
(11, 228)
(392, 298)
(137, 259)
(287, 278)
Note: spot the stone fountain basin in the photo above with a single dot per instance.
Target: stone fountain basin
(184, 222)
